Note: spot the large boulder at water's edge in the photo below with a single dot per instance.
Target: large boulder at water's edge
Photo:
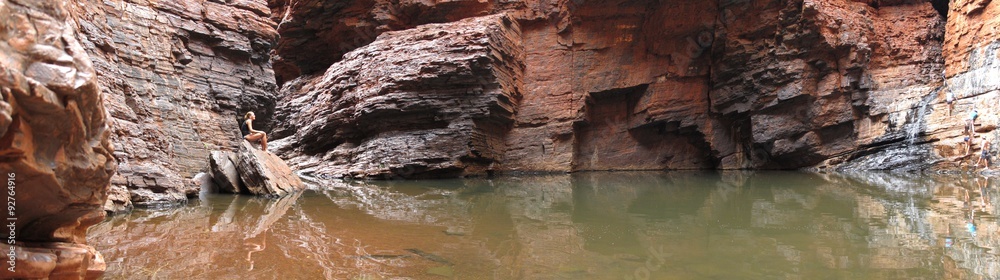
(223, 168)
(264, 173)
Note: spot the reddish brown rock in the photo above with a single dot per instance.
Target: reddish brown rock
(54, 260)
(695, 84)
(178, 77)
(436, 100)
(54, 148)
(317, 33)
(265, 174)
(972, 66)
(837, 81)
(119, 200)
(612, 85)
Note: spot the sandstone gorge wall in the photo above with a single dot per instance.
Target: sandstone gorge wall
(178, 75)
(626, 84)
(831, 80)
(54, 150)
(436, 100)
(972, 71)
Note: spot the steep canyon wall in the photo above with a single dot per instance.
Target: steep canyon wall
(422, 89)
(433, 101)
(109, 103)
(178, 75)
(972, 67)
(640, 85)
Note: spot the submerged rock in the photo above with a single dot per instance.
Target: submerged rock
(263, 173)
(429, 256)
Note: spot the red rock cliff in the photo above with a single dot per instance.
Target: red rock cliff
(613, 85)
(972, 67)
(55, 153)
(178, 76)
(434, 101)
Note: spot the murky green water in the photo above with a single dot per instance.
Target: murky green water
(582, 226)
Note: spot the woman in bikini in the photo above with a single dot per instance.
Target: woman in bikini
(250, 134)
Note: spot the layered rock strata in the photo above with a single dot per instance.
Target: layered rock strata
(263, 173)
(618, 85)
(54, 149)
(317, 33)
(972, 68)
(178, 76)
(434, 101)
(838, 83)
(614, 85)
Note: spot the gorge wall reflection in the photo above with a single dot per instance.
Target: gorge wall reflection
(637, 225)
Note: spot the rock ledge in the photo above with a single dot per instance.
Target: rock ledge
(254, 172)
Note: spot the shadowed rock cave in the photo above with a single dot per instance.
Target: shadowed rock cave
(613, 138)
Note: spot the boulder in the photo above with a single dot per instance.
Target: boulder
(223, 170)
(264, 173)
(433, 101)
(205, 183)
(119, 201)
(56, 260)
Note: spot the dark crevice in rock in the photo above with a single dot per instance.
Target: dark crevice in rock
(942, 7)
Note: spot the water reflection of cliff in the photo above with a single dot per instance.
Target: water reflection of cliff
(591, 225)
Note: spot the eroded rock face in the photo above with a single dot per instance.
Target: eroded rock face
(614, 85)
(436, 100)
(54, 148)
(972, 71)
(832, 81)
(626, 84)
(265, 174)
(315, 34)
(178, 76)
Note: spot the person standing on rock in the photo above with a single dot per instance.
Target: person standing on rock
(984, 157)
(970, 131)
(253, 135)
(970, 123)
(968, 145)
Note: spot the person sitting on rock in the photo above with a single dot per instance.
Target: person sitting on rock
(253, 135)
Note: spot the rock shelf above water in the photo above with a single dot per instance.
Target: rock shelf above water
(253, 171)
